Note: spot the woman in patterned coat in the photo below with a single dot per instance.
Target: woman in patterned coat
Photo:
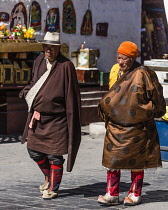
(131, 142)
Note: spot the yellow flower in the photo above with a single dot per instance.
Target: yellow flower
(2, 27)
(29, 33)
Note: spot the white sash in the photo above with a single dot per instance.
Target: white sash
(35, 89)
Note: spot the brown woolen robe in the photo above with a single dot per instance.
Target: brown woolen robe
(58, 132)
(128, 109)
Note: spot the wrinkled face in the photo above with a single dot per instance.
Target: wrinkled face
(51, 51)
(124, 62)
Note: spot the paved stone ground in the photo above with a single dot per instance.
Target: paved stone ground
(20, 179)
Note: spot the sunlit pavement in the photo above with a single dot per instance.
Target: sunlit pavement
(20, 180)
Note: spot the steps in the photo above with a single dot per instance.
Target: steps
(89, 104)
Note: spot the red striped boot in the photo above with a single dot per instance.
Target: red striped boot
(112, 190)
(134, 194)
(44, 165)
(56, 173)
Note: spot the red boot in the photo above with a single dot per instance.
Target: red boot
(134, 194)
(56, 173)
(44, 165)
(112, 190)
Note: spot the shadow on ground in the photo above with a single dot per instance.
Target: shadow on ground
(10, 139)
(99, 189)
(94, 189)
(155, 196)
(90, 192)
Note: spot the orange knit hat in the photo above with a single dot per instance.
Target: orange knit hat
(128, 48)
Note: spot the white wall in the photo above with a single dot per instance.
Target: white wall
(166, 8)
(123, 17)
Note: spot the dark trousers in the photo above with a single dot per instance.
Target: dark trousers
(38, 156)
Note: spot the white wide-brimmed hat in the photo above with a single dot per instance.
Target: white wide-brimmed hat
(52, 38)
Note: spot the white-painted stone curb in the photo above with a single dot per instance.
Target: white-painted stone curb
(97, 128)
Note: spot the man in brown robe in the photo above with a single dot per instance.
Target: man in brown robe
(128, 109)
(53, 124)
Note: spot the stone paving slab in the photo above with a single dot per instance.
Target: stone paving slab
(20, 180)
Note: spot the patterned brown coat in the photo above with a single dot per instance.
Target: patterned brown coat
(129, 109)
